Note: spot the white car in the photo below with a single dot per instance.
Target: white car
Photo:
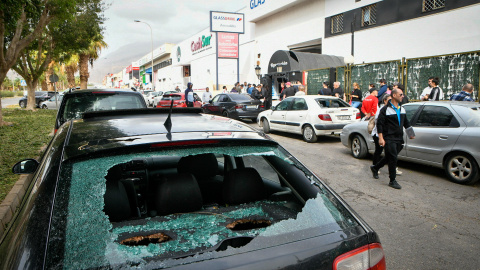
(150, 97)
(52, 103)
(311, 116)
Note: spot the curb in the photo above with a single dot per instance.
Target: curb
(12, 201)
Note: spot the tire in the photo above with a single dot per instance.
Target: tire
(461, 168)
(44, 106)
(309, 134)
(225, 113)
(358, 147)
(266, 125)
(23, 104)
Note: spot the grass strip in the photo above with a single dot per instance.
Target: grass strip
(23, 139)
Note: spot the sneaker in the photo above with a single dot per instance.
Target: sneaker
(374, 172)
(399, 172)
(394, 184)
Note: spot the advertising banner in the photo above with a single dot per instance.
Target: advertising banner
(227, 45)
(227, 22)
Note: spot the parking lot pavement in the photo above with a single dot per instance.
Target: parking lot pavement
(431, 223)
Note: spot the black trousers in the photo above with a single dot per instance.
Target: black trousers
(392, 148)
(189, 104)
(378, 150)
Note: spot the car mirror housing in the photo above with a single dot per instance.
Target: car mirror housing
(273, 108)
(27, 166)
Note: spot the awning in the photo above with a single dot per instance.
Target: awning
(148, 70)
(286, 61)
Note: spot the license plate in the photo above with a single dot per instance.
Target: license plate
(343, 117)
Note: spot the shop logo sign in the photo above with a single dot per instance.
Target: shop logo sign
(179, 53)
(256, 3)
(284, 63)
(202, 42)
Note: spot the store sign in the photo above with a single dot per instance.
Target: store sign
(227, 45)
(256, 3)
(201, 44)
(227, 22)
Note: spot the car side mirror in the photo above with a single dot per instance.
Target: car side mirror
(273, 108)
(210, 101)
(27, 166)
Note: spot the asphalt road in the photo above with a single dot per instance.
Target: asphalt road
(431, 223)
(8, 102)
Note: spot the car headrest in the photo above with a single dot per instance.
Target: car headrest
(178, 193)
(117, 206)
(242, 186)
(203, 165)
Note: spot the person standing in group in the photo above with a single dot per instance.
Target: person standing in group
(370, 103)
(356, 96)
(378, 149)
(326, 91)
(250, 89)
(224, 89)
(465, 94)
(383, 88)
(257, 93)
(267, 96)
(189, 95)
(426, 91)
(282, 87)
(392, 118)
(436, 93)
(289, 91)
(301, 91)
(338, 91)
(241, 89)
(235, 87)
(177, 89)
(207, 96)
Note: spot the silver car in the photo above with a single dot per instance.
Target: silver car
(447, 136)
(52, 103)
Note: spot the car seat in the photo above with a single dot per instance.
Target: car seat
(117, 206)
(243, 186)
(178, 193)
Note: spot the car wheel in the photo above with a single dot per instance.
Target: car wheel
(23, 104)
(461, 169)
(225, 113)
(44, 106)
(204, 110)
(266, 126)
(358, 147)
(309, 134)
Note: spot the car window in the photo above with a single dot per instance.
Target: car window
(172, 97)
(410, 110)
(284, 105)
(224, 98)
(262, 167)
(435, 116)
(331, 103)
(215, 99)
(240, 97)
(299, 104)
(196, 97)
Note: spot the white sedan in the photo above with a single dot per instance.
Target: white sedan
(311, 116)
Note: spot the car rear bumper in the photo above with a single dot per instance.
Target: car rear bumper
(329, 128)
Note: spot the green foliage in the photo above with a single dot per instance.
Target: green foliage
(30, 131)
(5, 94)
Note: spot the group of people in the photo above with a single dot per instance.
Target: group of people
(290, 89)
(336, 92)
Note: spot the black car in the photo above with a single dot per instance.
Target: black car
(40, 96)
(143, 189)
(236, 106)
(75, 103)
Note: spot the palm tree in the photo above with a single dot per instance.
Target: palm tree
(89, 55)
(71, 66)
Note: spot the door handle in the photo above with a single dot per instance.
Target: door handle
(443, 137)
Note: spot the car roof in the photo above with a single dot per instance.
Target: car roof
(82, 91)
(313, 97)
(122, 128)
(469, 104)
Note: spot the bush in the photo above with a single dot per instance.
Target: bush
(19, 93)
(4, 94)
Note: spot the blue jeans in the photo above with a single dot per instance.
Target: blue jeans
(356, 104)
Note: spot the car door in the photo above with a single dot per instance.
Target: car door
(197, 101)
(436, 131)
(225, 103)
(277, 116)
(411, 111)
(296, 115)
(213, 107)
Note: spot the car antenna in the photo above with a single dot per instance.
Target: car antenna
(168, 123)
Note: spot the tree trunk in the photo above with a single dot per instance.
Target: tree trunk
(49, 72)
(3, 75)
(83, 66)
(31, 105)
(70, 76)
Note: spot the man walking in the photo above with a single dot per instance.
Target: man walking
(189, 95)
(392, 119)
(465, 94)
(207, 96)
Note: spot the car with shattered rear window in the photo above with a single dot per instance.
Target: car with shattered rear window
(159, 188)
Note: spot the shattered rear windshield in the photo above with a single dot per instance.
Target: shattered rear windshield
(176, 205)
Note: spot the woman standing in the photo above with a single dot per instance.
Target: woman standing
(356, 96)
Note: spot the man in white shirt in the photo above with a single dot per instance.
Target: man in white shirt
(207, 96)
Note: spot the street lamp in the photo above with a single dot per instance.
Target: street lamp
(258, 71)
(151, 36)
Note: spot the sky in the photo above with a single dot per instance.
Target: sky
(171, 21)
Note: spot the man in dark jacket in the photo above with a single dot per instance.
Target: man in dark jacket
(189, 95)
(289, 91)
(391, 121)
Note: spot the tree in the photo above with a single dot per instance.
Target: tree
(88, 56)
(71, 66)
(21, 22)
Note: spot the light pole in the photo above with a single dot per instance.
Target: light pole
(151, 36)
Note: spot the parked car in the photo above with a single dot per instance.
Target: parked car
(75, 103)
(157, 99)
(447, 135)
(52, 103)
(118, 190)
(310, 115)
(150, 97)
(178, 100)
(236, 106)
(39, 97)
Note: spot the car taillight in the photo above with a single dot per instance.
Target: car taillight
(358, 116)
(261, 106)
(238, 106)
(369, 257)
(179, 101)
(325, 117)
